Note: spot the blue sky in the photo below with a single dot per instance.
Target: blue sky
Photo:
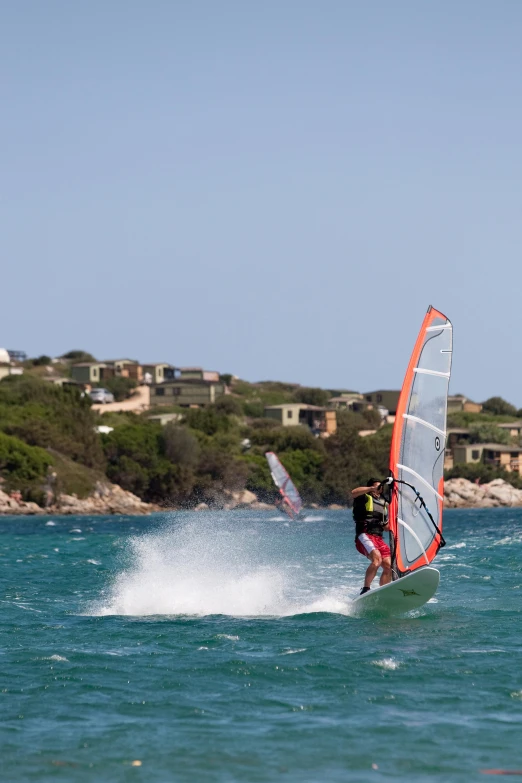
(275, 189)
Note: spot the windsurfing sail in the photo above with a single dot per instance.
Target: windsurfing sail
(285, 484)
(417, 448)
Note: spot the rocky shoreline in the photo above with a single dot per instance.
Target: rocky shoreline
(109, 499)
(105, 499)
(461, 493)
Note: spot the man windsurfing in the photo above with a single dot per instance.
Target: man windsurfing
(370, 514)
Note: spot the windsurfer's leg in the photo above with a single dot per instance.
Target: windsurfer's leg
(386, 575)
(371, 571)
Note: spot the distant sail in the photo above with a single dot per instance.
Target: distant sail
(284, 483)
(418, 445)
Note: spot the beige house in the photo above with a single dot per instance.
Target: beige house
(321, 421)
(125, 368)
(458, 402)
(352, 402)
(497, 454)
(384, 398)
(97, 372)
(88, 372)
(187, 393)
(198, 374)
(159, 372)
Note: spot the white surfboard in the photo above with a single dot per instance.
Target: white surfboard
(403, 595)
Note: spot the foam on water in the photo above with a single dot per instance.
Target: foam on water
(202, 568)
(387, 663)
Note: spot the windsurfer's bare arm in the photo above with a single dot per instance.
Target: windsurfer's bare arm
(362, 491)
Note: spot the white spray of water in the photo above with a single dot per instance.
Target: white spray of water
(387, 663)
(205, 568)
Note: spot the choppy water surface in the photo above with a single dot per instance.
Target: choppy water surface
(220, 647)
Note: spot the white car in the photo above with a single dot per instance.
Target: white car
(101, 396)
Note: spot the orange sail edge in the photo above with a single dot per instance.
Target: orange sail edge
(430, 552)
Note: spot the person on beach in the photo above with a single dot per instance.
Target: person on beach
(370, 513)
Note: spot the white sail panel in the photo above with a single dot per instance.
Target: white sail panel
(420, 440)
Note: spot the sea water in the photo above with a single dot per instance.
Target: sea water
(220, 647)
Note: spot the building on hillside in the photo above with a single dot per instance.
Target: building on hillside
(456, 436)
(17, 356)
(125, 368)
(352, 402)
(496, 454)
(90, 372)
(60, 380)
(97, 372)
(7, 365)
(189, 393)
(384, 398)
(198, 374)
(513, 427)
(458, 402)
(321, 421)
(166, 418)
(159, 372)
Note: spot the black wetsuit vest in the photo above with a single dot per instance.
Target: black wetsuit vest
(370, 515)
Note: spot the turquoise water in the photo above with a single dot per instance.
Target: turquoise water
(219, 647)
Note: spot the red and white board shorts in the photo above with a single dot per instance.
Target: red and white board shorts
(365, 543)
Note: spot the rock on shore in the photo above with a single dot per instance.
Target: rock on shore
(112, 499)
(9, 505)
(105, 499)
(461, 493)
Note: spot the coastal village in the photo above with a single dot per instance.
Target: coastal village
(480, 437)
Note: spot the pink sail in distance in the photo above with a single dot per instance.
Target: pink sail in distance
(292, 500)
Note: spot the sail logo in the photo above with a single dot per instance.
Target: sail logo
(437, 443)
(406, 593)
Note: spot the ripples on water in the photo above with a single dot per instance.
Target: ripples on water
(220, 647)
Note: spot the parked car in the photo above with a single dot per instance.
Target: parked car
(101, 396)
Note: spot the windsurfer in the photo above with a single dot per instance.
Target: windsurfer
(370, 513)
(282, 504)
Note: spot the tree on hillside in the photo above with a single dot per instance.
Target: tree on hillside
(312, 396)
(181, 447)
(488, 433)
(22, 465)
(137, 461)
(41, 361)
(120, 386)
(373, 418)
(499, 407)
(229, 406)
(351, 460)
(207, 420)
(78, 356)
(280, 439)
(42, 414)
